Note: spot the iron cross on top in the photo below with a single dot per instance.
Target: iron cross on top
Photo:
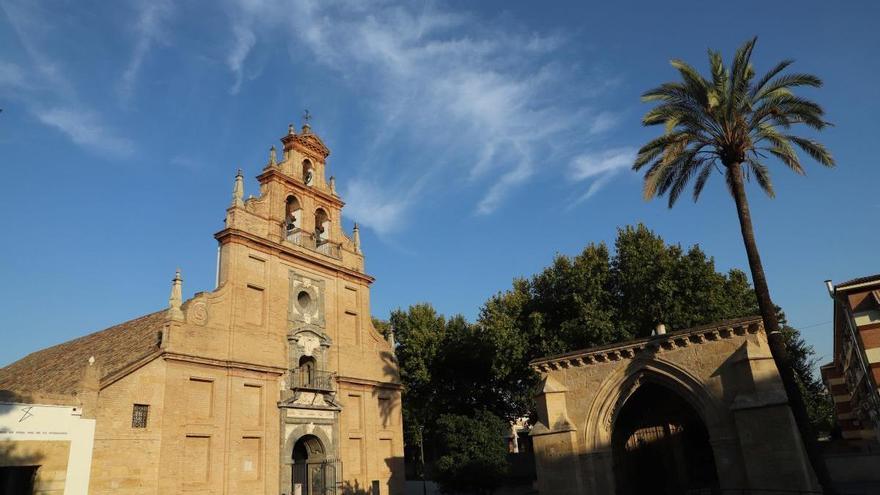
(307, 116)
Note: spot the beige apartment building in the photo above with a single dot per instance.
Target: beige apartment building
(274, 382)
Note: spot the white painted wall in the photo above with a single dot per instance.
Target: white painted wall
(29, 422)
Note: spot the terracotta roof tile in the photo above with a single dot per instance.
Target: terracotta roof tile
(59, 369)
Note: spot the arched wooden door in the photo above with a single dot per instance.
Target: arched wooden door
(313, 473)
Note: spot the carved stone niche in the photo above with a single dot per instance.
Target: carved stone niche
(306, 303)
(308, 341)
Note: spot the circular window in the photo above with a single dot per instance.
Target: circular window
(304, 299)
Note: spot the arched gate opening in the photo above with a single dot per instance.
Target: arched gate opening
(313, 472)
(660, 445)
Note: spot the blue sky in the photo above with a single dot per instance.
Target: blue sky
(473, 140)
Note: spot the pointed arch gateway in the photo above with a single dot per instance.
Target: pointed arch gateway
(660, 445)
(694, 411)
(663, 431)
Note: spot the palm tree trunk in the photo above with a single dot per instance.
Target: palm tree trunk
(774, 336)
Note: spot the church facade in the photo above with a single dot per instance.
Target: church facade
(274, 382)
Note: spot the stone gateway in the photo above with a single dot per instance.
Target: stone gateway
(274, 382)
(692, 411)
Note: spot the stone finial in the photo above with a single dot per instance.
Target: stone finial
(273, 159)
(390, 336)
(660, 329)
(332, 185)
(307, 117)
(176, 299)
(356, 234)
(238, 190)
(290, 130)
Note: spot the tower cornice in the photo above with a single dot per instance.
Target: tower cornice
(275, 172)
(236, 235)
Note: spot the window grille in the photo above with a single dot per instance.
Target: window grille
(139, 416)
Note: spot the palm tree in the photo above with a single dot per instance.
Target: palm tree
(731, 124)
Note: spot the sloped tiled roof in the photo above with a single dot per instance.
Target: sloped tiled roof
(860, 280)
(59, 369)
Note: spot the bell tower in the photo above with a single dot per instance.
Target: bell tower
(301, 304)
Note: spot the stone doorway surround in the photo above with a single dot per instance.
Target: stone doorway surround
(724, 371)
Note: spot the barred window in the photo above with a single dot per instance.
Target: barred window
(139, 416)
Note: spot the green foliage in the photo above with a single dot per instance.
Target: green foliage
(802, 357)
(419, 333)
(452, 367)
(475, 456)
(728, 119)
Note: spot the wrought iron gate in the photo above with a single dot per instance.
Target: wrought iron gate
(317, 477)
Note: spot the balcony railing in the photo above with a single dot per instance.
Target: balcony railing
(310, 241)
(311, 380)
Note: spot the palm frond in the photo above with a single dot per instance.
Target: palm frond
(787, 155)
(741, 72)
(781, 66)
(702, 178)
(762, 176)
(786, 82)
(815, 149)
(684, 176)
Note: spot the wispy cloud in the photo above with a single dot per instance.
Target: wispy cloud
(85, 129)
(464, 97)
(149, 30)
(599, 168)
(40, 83)
(375, 208)
(244, 42)
(604, 122)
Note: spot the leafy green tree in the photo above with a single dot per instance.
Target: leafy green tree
(819, 404)
(731, 123)
(453, 367)
(419, 333)
(475, 456)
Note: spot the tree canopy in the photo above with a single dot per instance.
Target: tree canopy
(599, 296)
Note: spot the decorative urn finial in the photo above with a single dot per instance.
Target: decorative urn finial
(332, 185)
(273, 158)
